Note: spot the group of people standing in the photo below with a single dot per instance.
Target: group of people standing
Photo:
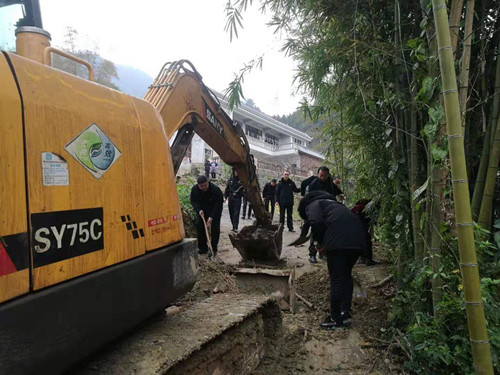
(211, 168)
(339, 234)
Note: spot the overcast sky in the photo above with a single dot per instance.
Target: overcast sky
(146, 34)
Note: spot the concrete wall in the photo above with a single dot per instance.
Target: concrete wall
(197, 150)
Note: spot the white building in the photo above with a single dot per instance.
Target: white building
(274, 145)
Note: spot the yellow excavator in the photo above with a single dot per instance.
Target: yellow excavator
(92, 240)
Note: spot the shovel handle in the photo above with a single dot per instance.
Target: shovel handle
(209, 241)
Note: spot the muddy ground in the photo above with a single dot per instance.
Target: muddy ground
(304, 347)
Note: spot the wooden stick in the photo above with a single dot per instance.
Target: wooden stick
(209, 241)
(309, 304)
(383, 282)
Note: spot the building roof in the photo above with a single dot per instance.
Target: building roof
(261, 118)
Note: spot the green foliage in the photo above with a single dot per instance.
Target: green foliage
(426, 92)
(440, 345)
(184, 192)
(438, 154)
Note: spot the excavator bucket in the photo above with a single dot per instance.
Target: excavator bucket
(259, 243)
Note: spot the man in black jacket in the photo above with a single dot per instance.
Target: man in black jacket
(207, 168)
(322, 181)
(284, 197)
(233, 194)
(207, 200)
(342, 237)
(269, 195)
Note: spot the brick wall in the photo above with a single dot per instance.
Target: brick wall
(309, 163)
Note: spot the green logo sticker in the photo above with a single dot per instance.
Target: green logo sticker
(94, 150)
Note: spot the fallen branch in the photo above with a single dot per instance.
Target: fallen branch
(383, 282)
(373, 366)
(309, 304)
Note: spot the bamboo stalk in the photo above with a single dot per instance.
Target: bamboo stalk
(468, 262)
(455, 15)
(489, 184)
(464, 68)
(437, 175)
(415, 214)
(485, 153)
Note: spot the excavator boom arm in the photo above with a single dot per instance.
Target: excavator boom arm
(187, 106)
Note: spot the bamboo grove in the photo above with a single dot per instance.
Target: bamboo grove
(410, 94)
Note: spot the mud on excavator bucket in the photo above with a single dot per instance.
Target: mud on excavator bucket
(259, 243)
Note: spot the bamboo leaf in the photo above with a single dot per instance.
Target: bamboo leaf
(421, 189)
(497, 238)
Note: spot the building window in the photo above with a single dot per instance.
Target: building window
(272, 139)
(253, 132)
(298, 142)
(208, 154)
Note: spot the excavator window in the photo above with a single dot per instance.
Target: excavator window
(16, 13)
(9, 16)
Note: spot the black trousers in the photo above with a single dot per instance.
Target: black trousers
(367, 255)
(312, 248)
(234, 206)
(289, 219)
(213, 174)
(202, 237)
(273, 203)
(340, 264)
(245, 202)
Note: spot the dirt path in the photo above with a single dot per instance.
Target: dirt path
(306, 349)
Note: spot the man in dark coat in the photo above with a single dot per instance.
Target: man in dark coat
(207, 168)
(342, 237)
(322, 181)
(269, 195)
(233, 194)
(206, 199)
(284, 197)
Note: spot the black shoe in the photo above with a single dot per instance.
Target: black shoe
(331, 325)
(201, 252)
(346, 318)
(235, 229)
(313, 259)
(371, 262)
(321, 256)
(291, 230)
(243, 217)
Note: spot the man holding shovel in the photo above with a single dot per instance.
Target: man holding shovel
(207, 199)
